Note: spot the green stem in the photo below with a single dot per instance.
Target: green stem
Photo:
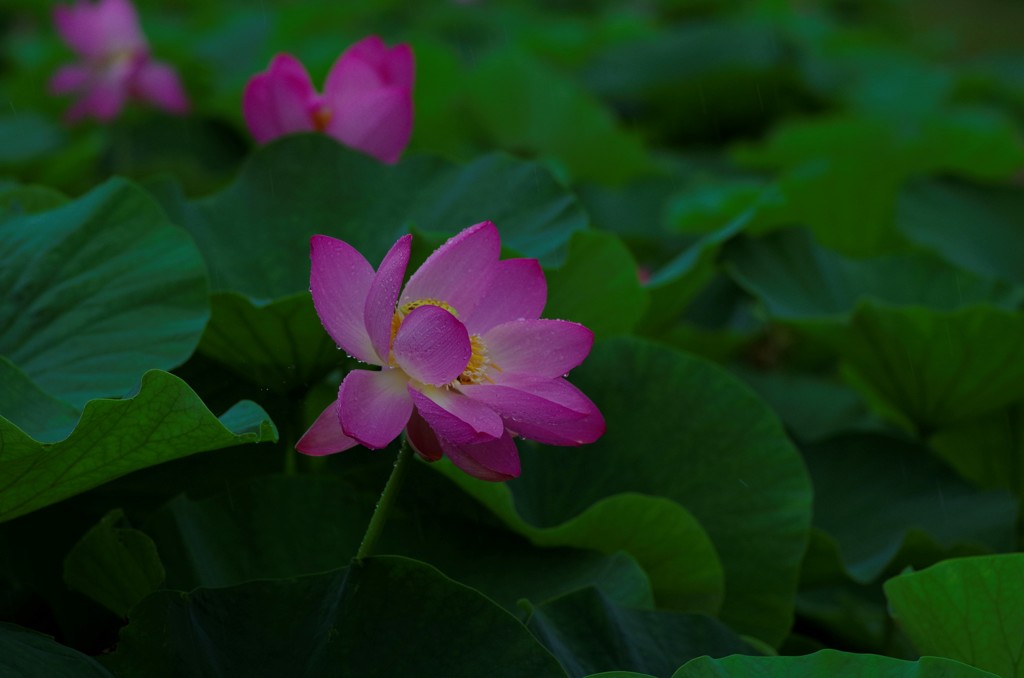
(387, 498)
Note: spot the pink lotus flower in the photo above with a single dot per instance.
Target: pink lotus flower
(115, 63)
(366, 104)
(466, 363)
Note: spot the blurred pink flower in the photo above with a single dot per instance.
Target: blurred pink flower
(114, 65)
(366, 104)
(466, 362)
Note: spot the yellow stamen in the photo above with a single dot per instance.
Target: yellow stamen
(479, 363)
(322, 118)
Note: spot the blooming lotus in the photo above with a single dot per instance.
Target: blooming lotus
(115, 64)
(465, 361)
(366, 104)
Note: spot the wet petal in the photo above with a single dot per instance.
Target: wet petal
(459, 271)
(432, 346)
(495, 461)
(339, 281)
(456, 418)
(383, 297)
(517, 290)
(550, 411)
(538, 348)
(325, 435)
(374, 407)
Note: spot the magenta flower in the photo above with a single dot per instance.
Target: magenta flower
(466, 362)
(115, 64)
(366, 104)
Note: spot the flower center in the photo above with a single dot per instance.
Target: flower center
(406, 309)
(322, 118)
(479, 362)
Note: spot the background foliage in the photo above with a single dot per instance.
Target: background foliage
(795, 228)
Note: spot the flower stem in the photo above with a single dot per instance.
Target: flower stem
(387, 497)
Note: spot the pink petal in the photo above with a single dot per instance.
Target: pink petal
(370, 63)
(103, 101)
(374, 407)
(325, 435)
(550, 411)
(293, 93)
(69, 78)
(422, 437)
(118, 25)
(100, 30)
(339, 280)
(382, 297)
(495, 461)
(456, 418)
(67, 21)
(158, 83)
(400, 66)
(537, 348)
(357, 71)
(258, 109)
(377, 122)
(517, 290)
(432, 346)
(277, 101)
(459, 271)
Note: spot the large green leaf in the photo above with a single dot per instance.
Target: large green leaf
(255, 233)
(635, 213)
(663, 536)
(682, 428)
(968, 609)
(911, 328)
(693, 84)
(553, 116)
(978, 227)
(598, 286)
(830, 663)
(797, 279)
(843, 174)
(870, 491)
(261, 530)
(29, 199)
(987, 450)
(385, 616)
(675, 284)
(935, 367)
(812, 407)
(279, 344)
(28, 653)
(589, 633)
(114, 565)
(164, 421)
(27, 137)
(95, 292)
(31, 409)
